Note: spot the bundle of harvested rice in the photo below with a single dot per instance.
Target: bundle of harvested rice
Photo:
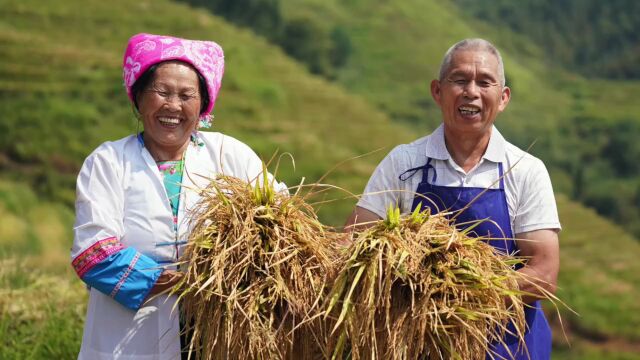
(255, 269)
(414, 287)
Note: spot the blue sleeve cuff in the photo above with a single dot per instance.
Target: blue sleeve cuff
(127, 276)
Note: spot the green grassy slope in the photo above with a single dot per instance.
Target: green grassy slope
(42, 304)
(62, 95)
(31, 226)
(599, 279)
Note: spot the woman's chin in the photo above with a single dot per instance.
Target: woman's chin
(170, 140)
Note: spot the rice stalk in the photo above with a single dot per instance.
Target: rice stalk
(255, 269)
(414, 287)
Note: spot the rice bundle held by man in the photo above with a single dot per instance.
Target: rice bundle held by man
(414, 287)
(255, 269)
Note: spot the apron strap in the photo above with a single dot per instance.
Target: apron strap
(425, 171)
(501, 175)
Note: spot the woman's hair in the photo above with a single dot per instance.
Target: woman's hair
(143, 82)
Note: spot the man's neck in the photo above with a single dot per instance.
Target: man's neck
(466, 150)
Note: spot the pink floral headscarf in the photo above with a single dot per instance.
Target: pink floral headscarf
(144, 50)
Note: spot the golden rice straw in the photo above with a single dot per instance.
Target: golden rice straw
(414, 287)
(255, 269)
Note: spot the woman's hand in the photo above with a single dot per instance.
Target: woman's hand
(167, 280)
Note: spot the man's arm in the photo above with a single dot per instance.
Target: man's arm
(360, 219)
(542, 251)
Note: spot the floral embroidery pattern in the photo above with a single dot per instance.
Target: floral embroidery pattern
(95, 254)
(146, 45)
(170, 167)
(174, 51)
(130, 70)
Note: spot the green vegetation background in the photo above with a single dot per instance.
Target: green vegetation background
(61, 95)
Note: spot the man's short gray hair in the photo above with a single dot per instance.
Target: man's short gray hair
(472, 44)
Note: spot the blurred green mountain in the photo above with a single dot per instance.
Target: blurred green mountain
(62, 95)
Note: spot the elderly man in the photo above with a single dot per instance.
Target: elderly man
(466, 163)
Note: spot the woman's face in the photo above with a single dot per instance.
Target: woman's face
(170, 107)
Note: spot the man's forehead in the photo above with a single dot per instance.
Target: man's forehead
(474, 60)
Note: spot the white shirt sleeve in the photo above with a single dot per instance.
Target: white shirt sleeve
(536, 208)
(384, 187)
(99, 201)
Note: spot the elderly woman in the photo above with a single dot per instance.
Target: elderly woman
(134, 196)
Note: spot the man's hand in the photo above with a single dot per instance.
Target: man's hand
(360, 219)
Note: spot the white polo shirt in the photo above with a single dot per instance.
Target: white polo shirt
(532, 205)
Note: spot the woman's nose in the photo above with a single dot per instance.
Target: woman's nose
(173, 102)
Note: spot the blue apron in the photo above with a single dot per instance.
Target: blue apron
(493, 205)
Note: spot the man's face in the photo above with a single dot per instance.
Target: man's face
(470, 95)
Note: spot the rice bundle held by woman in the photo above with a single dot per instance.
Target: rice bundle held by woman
(254, 272)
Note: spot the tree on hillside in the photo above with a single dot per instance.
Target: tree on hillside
(602, 161)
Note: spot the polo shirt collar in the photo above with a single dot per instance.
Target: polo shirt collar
(496, 148)
(437, 149)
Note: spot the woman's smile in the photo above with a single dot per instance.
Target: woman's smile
(169, 122)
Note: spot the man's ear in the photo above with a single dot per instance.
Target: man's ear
(504, 98)
(435, 91)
